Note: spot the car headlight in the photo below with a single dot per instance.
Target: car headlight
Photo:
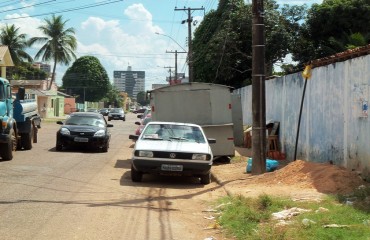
(65, 131)
(198, 156)
(145, 154)
(100, 133)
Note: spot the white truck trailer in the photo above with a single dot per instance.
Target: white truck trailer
(205, 104)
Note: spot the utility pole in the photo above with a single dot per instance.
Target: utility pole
(258, 89)
(176, 52)
(190, 51)
(169, 82)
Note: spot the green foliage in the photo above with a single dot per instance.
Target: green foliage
(88, 79)
(251, 218)
(16, 42)
(25, 71)
(59, 43)
(112, 97)
(331, 27)
(222, 45)
(141, 99)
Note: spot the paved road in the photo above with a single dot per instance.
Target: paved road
(73, 194)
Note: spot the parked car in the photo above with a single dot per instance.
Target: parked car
(92, 110)
(141, 110)
(84, 129)
(170, 148)
(116, 113)
(104, 111)
(146, 112)
(142, 124)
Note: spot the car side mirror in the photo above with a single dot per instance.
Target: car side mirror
(133, 137)
(137, 123)
(211, 140)
(60, 122)
(109, 125)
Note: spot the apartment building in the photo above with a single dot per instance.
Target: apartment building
(131, 82)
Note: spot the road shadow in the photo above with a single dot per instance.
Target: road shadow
(79, 149)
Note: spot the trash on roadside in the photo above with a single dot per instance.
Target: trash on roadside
(271, 165)
(210, 217)
(335, 226)
(288, 213)
(214, 225)
(322, 209)
(210, 238)
(307, 222)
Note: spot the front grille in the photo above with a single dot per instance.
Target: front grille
(178, 155)
(83, 134)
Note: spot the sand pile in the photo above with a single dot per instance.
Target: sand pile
(326, 178)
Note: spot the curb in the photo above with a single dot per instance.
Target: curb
(216, 179)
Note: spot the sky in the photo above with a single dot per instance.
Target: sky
(120, 33)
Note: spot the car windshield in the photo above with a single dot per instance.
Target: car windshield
(172, 132)
(85, 120)
(116, 110)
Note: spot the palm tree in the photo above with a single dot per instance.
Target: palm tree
(16, 43)
(59, 43)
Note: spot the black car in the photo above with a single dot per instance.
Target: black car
(116, 113)
(104, 111)
(84, 129)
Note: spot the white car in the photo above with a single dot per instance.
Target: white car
(170, 148)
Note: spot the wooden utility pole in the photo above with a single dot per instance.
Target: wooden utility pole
(258, 89)
(190, 51)
(175, 52)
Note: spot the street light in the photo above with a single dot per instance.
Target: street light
(171, 39)
(176, 52)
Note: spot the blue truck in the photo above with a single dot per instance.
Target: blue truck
(19, 119)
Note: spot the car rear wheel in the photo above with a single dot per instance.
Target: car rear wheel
(205, 179)
(136, 176)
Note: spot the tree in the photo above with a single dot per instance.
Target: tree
(59, 43)
(141, 99)
(25, 70)
(112, 97)
(87, 78)
(16, 42)
(223, 43)
(331, 27)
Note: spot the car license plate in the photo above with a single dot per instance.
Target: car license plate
(78, 139)
(170, 167)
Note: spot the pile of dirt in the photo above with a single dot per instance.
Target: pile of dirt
(325, 178)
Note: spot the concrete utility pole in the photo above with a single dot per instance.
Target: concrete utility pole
(258, 89)
(175, 52)
(170, 71)
(190, 51)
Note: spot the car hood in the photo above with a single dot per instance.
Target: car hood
(82, 128)
(172, 146)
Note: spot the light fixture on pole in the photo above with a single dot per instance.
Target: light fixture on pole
(176, 52)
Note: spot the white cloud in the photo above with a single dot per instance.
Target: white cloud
(133, 43)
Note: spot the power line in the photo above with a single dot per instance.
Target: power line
(66, 10)
(28, 6)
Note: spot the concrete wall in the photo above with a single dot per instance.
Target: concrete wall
(334, 126)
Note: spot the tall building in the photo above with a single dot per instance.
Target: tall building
(131, 82)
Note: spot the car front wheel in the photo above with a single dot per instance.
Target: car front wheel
(205, 179)
(136, 176)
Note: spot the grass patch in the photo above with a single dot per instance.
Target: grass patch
(251, 218)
